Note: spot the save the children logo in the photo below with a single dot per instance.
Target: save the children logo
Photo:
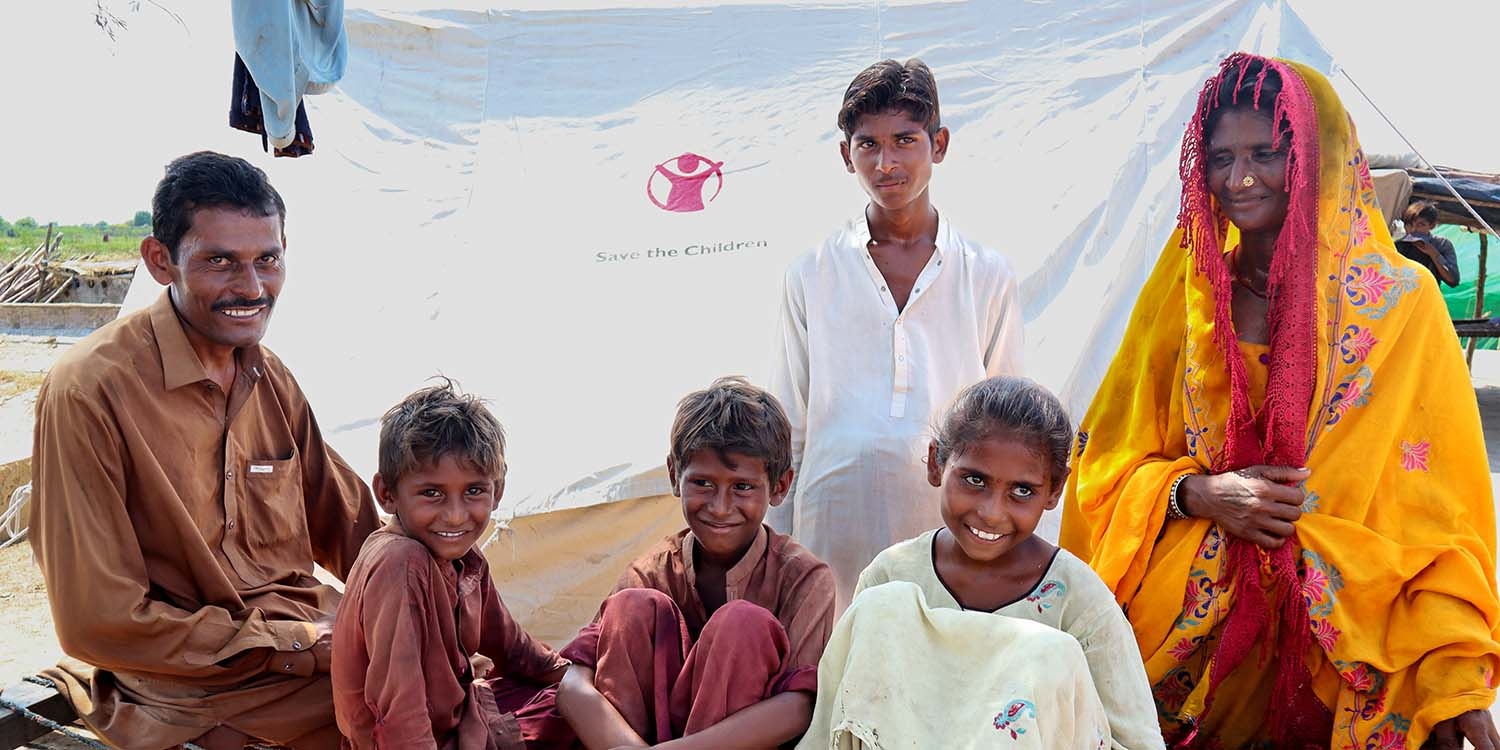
(684, 179)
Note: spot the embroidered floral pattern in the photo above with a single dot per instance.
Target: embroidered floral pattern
(1185, 648)
(1044, 594)
(1009, 719)
(1321, 582)
(1414, 455)
(1172, 691)
(1374, 286)
(1325, 634)
(1311, 502)
(1355, 344)
(1352, 393)
(1359, 231)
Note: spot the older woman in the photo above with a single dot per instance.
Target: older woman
(1283, 477)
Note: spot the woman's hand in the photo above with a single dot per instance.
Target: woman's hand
(1475, 726)
(1255, 503)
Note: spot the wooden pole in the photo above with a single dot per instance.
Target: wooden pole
(1479, 312)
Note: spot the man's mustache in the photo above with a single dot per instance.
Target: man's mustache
(266, 301)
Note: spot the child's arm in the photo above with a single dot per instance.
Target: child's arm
(789, 384)
(768, 724)
(512, 649)
(1003, 354)
(392, 618)
(597, 722)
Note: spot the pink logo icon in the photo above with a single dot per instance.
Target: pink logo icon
(686, 176)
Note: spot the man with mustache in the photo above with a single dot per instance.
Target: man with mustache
(183, 493)
(881, 326)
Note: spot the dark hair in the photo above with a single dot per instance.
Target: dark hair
(890, 85)
(1009, 406)
(733, 416)
(436, 422)
(206, 179)
(1420, 210)
(1250, 86)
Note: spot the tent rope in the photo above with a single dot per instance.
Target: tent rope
(1414, 150)
(68, 732)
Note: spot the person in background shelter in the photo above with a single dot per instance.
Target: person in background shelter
(1436, 254)
(881, 327)
(1302, 535)
(711, 640)
(184, 493)
(991, 599)
(428, 655)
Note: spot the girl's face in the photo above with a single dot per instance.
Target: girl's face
(994, 495)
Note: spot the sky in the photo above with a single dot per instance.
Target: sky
(89, 121)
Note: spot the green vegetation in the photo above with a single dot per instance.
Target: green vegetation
(78, 240)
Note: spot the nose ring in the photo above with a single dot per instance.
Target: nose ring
(1248, 181)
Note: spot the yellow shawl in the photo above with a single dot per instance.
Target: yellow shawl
(1396, 556)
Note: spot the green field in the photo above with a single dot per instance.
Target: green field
(78, 240)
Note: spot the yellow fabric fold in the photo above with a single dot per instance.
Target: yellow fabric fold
(1397, 558)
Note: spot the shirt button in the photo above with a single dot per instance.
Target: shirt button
(918, 289)
(231, 523)
(297, 645)
(229, 474)
(287, 667)
(882, 289)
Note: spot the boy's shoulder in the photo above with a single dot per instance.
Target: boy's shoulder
(793, 559)
(390, 558)
(982, 258)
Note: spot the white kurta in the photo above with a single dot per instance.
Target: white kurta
(1071, 598)
(863, 382)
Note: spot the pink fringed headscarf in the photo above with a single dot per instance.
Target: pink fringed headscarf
(1278, 436)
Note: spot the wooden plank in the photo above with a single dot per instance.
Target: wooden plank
(16, 729)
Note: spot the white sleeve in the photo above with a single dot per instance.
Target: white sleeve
(1006, 339)
(789, 384)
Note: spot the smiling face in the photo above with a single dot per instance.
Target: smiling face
(445, 506)
(994, 494)
(892, 155)
(227, 274)
(1240, 146)
(724, 499)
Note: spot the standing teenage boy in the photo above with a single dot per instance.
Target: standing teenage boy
(881, 326)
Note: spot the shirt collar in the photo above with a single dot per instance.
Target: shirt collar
(859, 229)
(736, 576)
(180, 365)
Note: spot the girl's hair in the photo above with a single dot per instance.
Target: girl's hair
(1013, 407)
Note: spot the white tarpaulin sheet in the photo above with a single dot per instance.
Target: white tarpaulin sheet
(584, 214)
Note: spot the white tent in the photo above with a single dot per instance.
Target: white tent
(484, 203)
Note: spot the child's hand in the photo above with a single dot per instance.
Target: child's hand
(322, 648)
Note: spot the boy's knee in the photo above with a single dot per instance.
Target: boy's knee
(743, 617)
(637, 608)
(633, 602)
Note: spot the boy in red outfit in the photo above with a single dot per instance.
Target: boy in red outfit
(428, 656)
(712, 638)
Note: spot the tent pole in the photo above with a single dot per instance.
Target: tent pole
(1484, 256)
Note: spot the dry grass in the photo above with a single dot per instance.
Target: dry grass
(15, 382)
